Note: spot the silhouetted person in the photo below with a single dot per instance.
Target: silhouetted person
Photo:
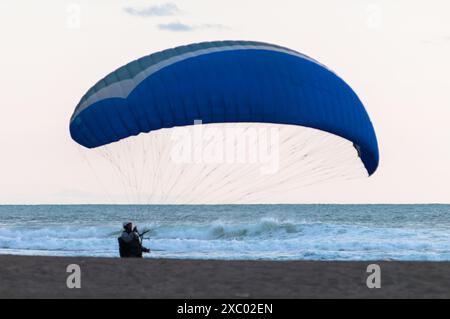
(130, 242)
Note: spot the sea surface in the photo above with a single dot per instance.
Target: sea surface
(271, 232)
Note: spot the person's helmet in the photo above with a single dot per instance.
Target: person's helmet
(125, 224)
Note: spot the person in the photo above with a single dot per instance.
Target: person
(130, 242)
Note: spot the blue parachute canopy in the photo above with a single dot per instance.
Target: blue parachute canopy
(218, 82)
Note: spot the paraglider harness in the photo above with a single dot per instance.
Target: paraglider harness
(133, 248)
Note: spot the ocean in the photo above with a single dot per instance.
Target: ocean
(270, 232)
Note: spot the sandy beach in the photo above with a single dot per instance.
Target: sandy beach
(45, 277)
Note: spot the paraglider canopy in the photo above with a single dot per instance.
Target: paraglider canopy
(226, 81)
(325, 131)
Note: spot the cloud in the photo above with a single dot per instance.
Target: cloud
(182, 27)
(175, 26)
(163, 10)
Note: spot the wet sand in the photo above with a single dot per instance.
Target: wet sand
(45, 277)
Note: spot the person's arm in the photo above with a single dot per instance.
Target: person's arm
(138, 238)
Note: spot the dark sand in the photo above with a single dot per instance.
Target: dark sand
(45, 277)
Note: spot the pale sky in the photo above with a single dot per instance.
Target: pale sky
(394, 54)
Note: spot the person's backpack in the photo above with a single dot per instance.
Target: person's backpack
(132, 249)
